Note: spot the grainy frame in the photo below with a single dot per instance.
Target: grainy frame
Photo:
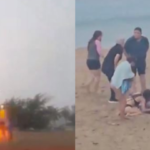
(61, 42)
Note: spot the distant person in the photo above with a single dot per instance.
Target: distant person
(137, 47)
(121, 83)
(93, 60)
(110, 62)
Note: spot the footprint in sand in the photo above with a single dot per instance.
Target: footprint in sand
(103, 88)
(95, 143)
(113, 123)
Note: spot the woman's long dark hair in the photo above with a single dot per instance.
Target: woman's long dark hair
(95, 36)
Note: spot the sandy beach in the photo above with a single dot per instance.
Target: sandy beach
(61, 140)
(97, 124)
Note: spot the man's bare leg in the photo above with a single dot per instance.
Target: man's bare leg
(143, 82)
(134, 85)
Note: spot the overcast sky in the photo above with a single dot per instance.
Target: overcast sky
(37, 49)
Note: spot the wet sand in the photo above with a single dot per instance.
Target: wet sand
(97, 124)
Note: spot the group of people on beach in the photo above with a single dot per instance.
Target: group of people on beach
(121, 74)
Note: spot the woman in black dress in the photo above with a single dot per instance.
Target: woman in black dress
(110, 62)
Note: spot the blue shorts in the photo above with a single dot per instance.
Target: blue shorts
(126, 85)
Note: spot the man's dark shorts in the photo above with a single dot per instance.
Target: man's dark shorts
(140, 66)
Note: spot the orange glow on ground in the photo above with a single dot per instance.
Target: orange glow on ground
(4, 135)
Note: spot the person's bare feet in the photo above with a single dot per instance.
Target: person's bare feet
(123, 117)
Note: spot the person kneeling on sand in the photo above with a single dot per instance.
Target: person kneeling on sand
(138, 104)
(121, 83)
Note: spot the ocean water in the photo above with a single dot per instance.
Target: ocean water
(115, 18)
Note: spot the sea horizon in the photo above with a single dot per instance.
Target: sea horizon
(116, 19)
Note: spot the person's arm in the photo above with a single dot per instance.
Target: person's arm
(116, 60)
(147, 44)
(144, 109)
(99, 48)
(132, 111)
(127, 48)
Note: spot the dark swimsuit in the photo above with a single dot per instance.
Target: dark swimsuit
(136, 104)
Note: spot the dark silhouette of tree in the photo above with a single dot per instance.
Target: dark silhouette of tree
(72, 116)
(31, 112)
(65, 112)
(69, 114)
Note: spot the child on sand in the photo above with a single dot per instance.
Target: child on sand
(138, 104)
(121, 82)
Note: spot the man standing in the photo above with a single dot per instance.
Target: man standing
(137, 47)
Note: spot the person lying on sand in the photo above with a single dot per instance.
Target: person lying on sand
(138, 104)
(122, 82)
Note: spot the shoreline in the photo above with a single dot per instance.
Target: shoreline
(84, 48)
